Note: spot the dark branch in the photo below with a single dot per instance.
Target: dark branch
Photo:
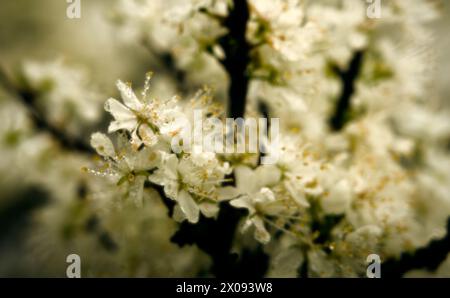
(215, 236)
(348, 78)
(237, 57)
(28, 98)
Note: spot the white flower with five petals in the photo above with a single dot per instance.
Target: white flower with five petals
(144, 120)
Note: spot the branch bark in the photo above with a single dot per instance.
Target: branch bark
(237, 57)
(348, 78)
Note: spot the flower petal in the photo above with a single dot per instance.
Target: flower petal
(209, 209)
(136, 190)
(147, 135)
(261, 233)
(188, 206)
(129, 98)
(243, 202)
(245, 180)
(178, 215)
(296, 194)
(118, 110)
(129, 125)
(227, 193)
(267, 175)
(103, 145)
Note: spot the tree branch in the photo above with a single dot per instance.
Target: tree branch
(215, 236)
(348, 78)
(237, 57)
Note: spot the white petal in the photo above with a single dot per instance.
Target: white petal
(320, 264)
(227, 193)
(118, 110)
(209, 209)
(136, 190)
(245, 180)
(136, 141)
(286, 263)
(128, 96)
(339, 199)
(274, 208)
(147, 135)
(171, 189)
(266, 195)
(243, 202)
(178, 215)
(129, 125)
(296, 194)
(171, 166)
(188, 206)
(267, 175)
(103, 145)
(146, 159)
(261, 233)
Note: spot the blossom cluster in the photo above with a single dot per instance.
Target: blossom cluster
(363, 178)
